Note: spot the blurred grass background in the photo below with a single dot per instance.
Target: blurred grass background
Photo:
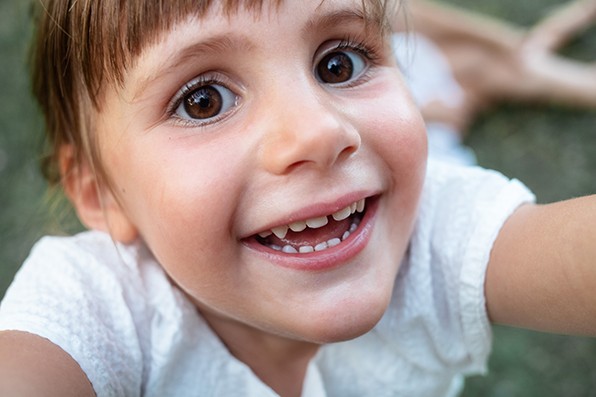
(552, 150)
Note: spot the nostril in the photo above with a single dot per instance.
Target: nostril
(348, 151)
(296, 165)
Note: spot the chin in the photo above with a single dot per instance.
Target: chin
(354, 307)
(346, 320)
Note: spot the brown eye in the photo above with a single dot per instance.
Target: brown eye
(339, 67)
(206, 102)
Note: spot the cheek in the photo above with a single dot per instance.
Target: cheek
(404, 150)
(404, 146)
(168, 189)
(190, 234)
(391, 122)
(394, 129)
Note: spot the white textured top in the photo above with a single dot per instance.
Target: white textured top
(112, 308)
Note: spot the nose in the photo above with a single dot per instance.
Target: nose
(304, 130)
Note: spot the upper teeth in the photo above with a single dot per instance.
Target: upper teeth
(315, 223)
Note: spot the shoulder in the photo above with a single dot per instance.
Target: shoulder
(91, 247)
(454, 192)
(89, 263)
(112, 308)
(447, 175)
(88, 268)
(84, 295)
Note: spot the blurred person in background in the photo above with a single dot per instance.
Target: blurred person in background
(460, 63)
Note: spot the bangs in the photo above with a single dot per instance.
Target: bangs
(98, 40)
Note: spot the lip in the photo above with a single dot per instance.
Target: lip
(330, 258)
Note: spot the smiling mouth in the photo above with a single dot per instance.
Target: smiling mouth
(316, 234)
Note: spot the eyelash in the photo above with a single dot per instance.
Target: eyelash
(368, 51)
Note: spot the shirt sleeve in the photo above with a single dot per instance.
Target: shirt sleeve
(66, 293)
(492, 209)
(471, 205)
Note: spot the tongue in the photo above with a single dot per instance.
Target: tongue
(312, 237)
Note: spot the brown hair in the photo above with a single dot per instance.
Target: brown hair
(83, 45)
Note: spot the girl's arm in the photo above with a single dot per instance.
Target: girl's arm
(542, 270)
(33, 366)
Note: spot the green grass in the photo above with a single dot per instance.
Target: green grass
(21, 188)
(552, 150)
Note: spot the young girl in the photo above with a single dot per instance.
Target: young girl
(263, 220)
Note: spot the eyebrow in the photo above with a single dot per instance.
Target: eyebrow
(212, 45)
(340, 17)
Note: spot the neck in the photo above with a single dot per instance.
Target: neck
(279, 362)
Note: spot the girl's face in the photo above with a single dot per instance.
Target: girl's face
(233, 128)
